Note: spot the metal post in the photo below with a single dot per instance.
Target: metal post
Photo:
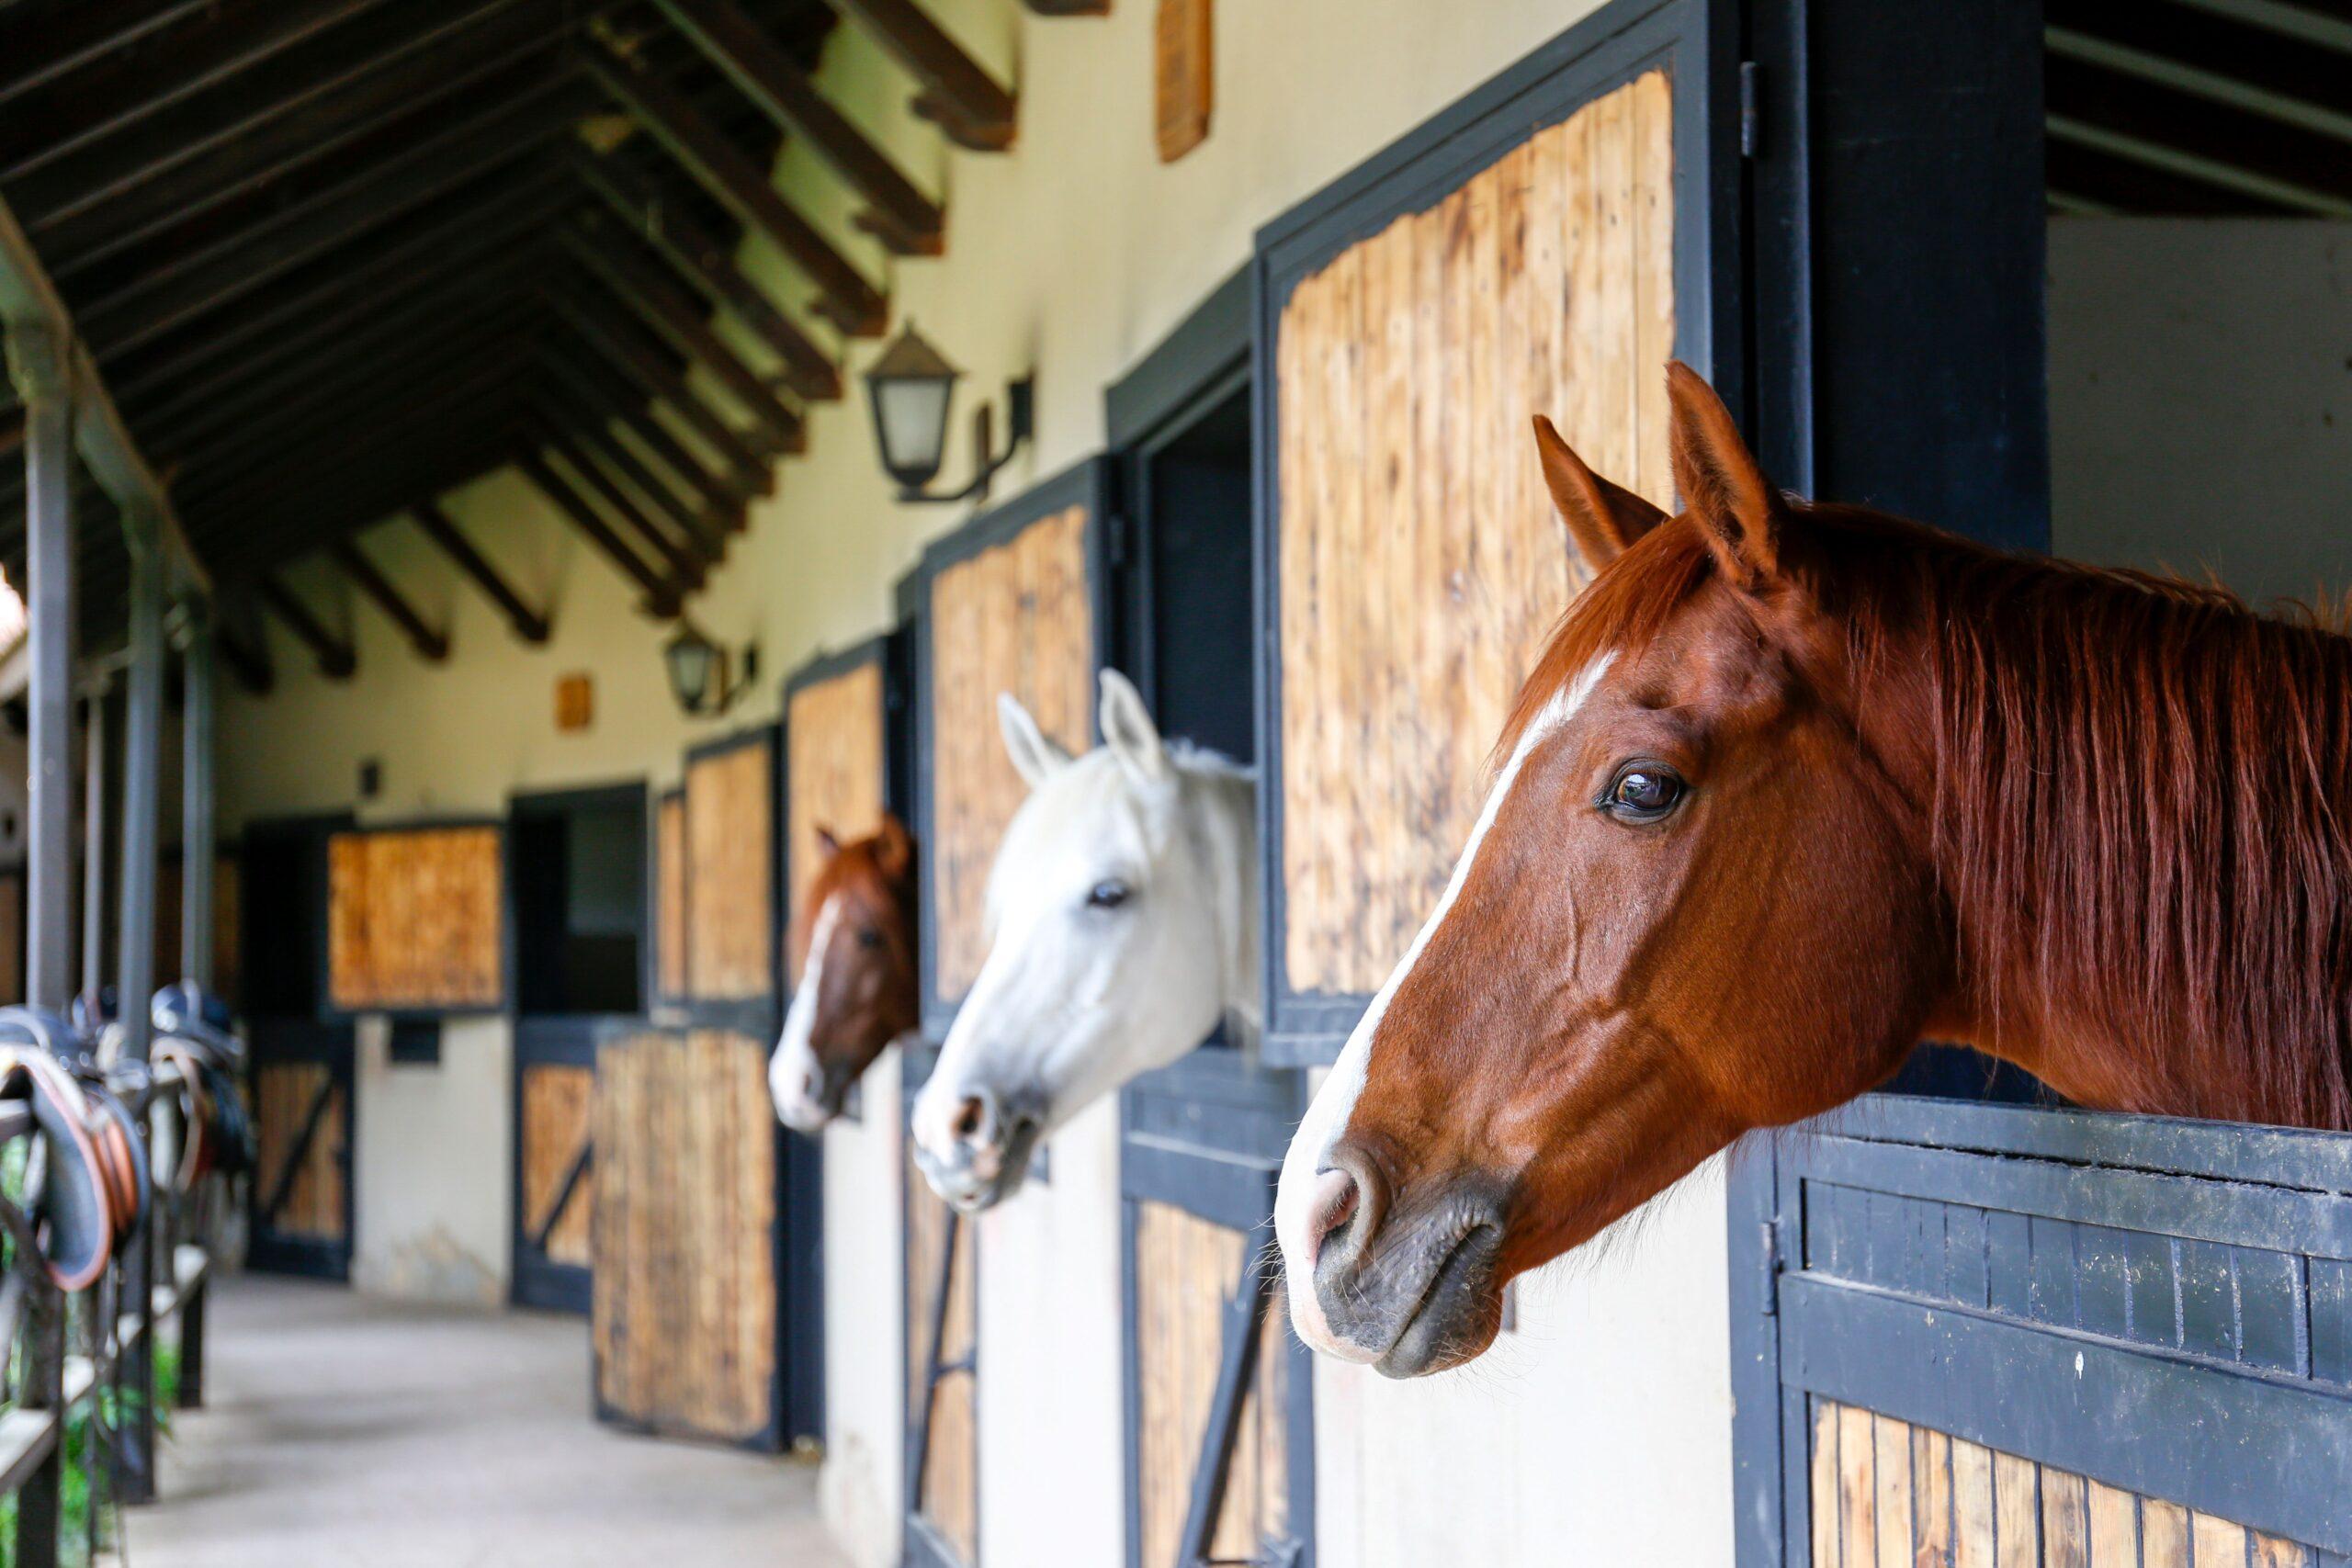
(94, 848)
(36, 365)
(142, 729)
(142, 725)
(197, 844)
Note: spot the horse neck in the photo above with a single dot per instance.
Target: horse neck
(1221, 808)
(2130, 801)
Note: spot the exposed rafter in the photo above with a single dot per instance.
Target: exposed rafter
(337, 660)
(531, 625)
(431, 643)
(958, 94)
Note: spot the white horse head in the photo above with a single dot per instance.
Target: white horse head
(1123, 920)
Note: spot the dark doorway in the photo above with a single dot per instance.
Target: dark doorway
(577, 862)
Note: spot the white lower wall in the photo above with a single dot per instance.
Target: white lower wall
(432, 1166)
(862, 1487)
(1052, 1435)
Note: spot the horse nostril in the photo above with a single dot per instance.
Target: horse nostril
(1347, 1206)
(971, 1113)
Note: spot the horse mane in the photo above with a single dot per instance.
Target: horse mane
(2139, 795)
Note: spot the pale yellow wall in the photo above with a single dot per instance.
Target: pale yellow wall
(1069, 257)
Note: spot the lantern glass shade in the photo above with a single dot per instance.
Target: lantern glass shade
(693, 659)
(911, 386)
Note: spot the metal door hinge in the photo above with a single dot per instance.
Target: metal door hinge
(1771, 1304)
(1751, 95)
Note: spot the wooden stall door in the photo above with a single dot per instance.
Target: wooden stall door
(416, 919)
(943, 1384)
(1518, 255)
(300, 1194)
(1220, 1455)
(2028, 1338)
(1009, 607)
(685, 1319)
(834, 764)
(670, 900)
(555, 1161)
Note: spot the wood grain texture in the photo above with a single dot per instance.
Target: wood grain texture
(559, 1102)
(283, 1095)
(670, 896)
(416, 919)
(684, 1305)
(1183, 75)
(1420, 563)
(833, 769)
(951, 1487)
(730, 870)
(1013, 618)
(1956, 1504)
(1186, 1270)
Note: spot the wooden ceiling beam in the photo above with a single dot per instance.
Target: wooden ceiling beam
(707, 264)
(958, 94)
(54, 122)
(420, 92)
(592, 380)
(432, 644)
(249, 663)
(592, 430)
(76, 34)
(2122, 185)
(2288, 162)
(662, 597)
(624, 346)
(289, 358)
(337, 660)
(532, 626)
(2213, 45)
(686, 565)
(612, 260)
(189, 286)
(901, 215)
(845, 297)
(296, 520)
(451, 240)
(714, 510)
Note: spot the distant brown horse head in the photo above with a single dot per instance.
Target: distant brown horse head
(854, 948)
(1792, 787)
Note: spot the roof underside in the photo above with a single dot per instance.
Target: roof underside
(318, 247)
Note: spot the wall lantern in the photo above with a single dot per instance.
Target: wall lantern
(701, 676)
(913, 386)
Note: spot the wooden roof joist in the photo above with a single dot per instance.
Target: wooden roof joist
(60, 36)
(431, 643)
(237, 180)
(905, 220)
(845, 296)
(624, 346)
(704, 262)
(532, 626)
(689, 491)
(703, 525)
(970, 108)
(663, 597)
(181, 290)
(337, 659)
(685, 564)
(591, 377)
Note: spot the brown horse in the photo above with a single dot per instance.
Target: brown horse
(1793, 787)
(854, 948)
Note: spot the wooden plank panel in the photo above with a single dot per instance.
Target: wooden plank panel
(1015, 617)
(1952, 1504)
(1419, 564)
(684, 1317)
(283, 1095)
(730, 869)
(833, 767)
(416, 919)
(558, 1102)
(670, 895)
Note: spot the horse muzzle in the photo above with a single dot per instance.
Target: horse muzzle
(1410, 1290)
(982, 1157)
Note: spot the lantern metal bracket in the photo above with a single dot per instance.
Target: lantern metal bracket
(1021, 406)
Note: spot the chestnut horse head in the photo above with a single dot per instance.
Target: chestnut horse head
(854, 948)
(1792, 787)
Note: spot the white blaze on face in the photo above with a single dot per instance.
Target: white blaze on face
(1335, 1102)
(793, 1071)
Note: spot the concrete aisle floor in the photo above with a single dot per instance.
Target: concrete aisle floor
(341, 1431)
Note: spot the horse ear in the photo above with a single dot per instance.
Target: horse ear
(1603, 519)
(1721, 483)
(828, 840)
(1036, 756)
(894, 848)
(1127, 729)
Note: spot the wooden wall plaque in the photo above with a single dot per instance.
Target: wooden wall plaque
(1183, 75)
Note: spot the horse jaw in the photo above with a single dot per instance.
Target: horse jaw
(793, 1064)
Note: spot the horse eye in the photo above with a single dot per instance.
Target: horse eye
(1643, 791)
(869, 939)
(1106, 896)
